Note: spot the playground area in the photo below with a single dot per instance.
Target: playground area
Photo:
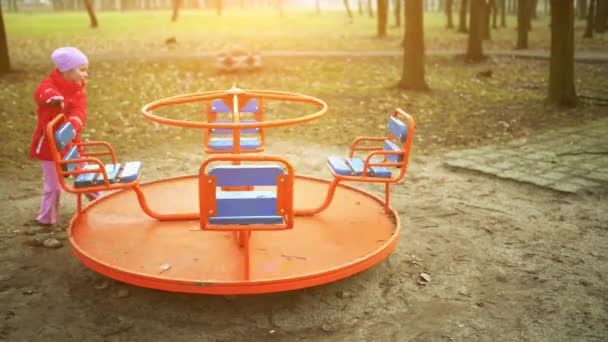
(477, 257)
(505, 260)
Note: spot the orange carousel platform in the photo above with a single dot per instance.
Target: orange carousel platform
(114, 237)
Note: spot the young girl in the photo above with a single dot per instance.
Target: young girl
(61, 92)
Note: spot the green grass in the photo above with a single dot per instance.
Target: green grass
(139, 33)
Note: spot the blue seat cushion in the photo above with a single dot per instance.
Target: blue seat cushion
(226, 143)
(229, 131)
(339, 166)
(354, 167)
(357, 165)
(130, 172)
(93, 179)
(246, 175)
(246, 207)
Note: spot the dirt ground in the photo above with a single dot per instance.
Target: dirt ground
(507, 262)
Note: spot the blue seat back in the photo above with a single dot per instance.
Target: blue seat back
(64, 135)
(397, 128)
(218, 106)
(72, 154)
(391, 146)
(246, 175)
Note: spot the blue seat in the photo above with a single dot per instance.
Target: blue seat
(229, 131)
(247, 143)
(218, 106)
(354, 167)
(395, 142)
(246, 207)
(64, 136)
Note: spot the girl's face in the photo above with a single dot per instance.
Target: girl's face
(77, 75)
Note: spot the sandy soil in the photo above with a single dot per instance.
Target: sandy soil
(506, 261)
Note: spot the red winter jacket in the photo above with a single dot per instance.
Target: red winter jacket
(74, 108)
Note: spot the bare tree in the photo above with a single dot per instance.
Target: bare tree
(382, 17)
(462, 19)
(475, 44)
(91, 11)
(561, 69)
(523, 24)
(176, 5)
(370, 8)
(581, 9)
(5, 64)
(347, 8)
(590, 17)
(413, 52)
(281, 5)
(397, 12)
(449, 5)
(601, 14)
(485, 15)
(503, 12)
(494, 10)
(12, 6)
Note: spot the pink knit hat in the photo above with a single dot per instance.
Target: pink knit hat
(68, 58)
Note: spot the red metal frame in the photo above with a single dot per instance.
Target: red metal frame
(240, 287)
(207, 201)
(107, 186)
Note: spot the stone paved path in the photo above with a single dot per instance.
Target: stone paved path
(568, 160)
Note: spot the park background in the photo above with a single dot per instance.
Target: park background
(536, 273)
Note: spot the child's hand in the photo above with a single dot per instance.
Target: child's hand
(55, 101)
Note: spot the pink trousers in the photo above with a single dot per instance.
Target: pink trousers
(51, 193)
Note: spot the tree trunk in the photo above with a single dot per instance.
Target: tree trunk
(347, 8)
(281, 5)
(318, 6)
(448, 12)
(485, 28)
(494, 10)
(370, 8)
(581, 9)
(601, 13)
(359, 6)
(534, 9)
(503, 13)
(590, 17)
(382, 16)
(474, 46)
(397, 11)
(176, 5)
(523, 22)
(12, 6)
(91, 11)
(462, 20)
(413, 52)
(5, 64)
(561, 69)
